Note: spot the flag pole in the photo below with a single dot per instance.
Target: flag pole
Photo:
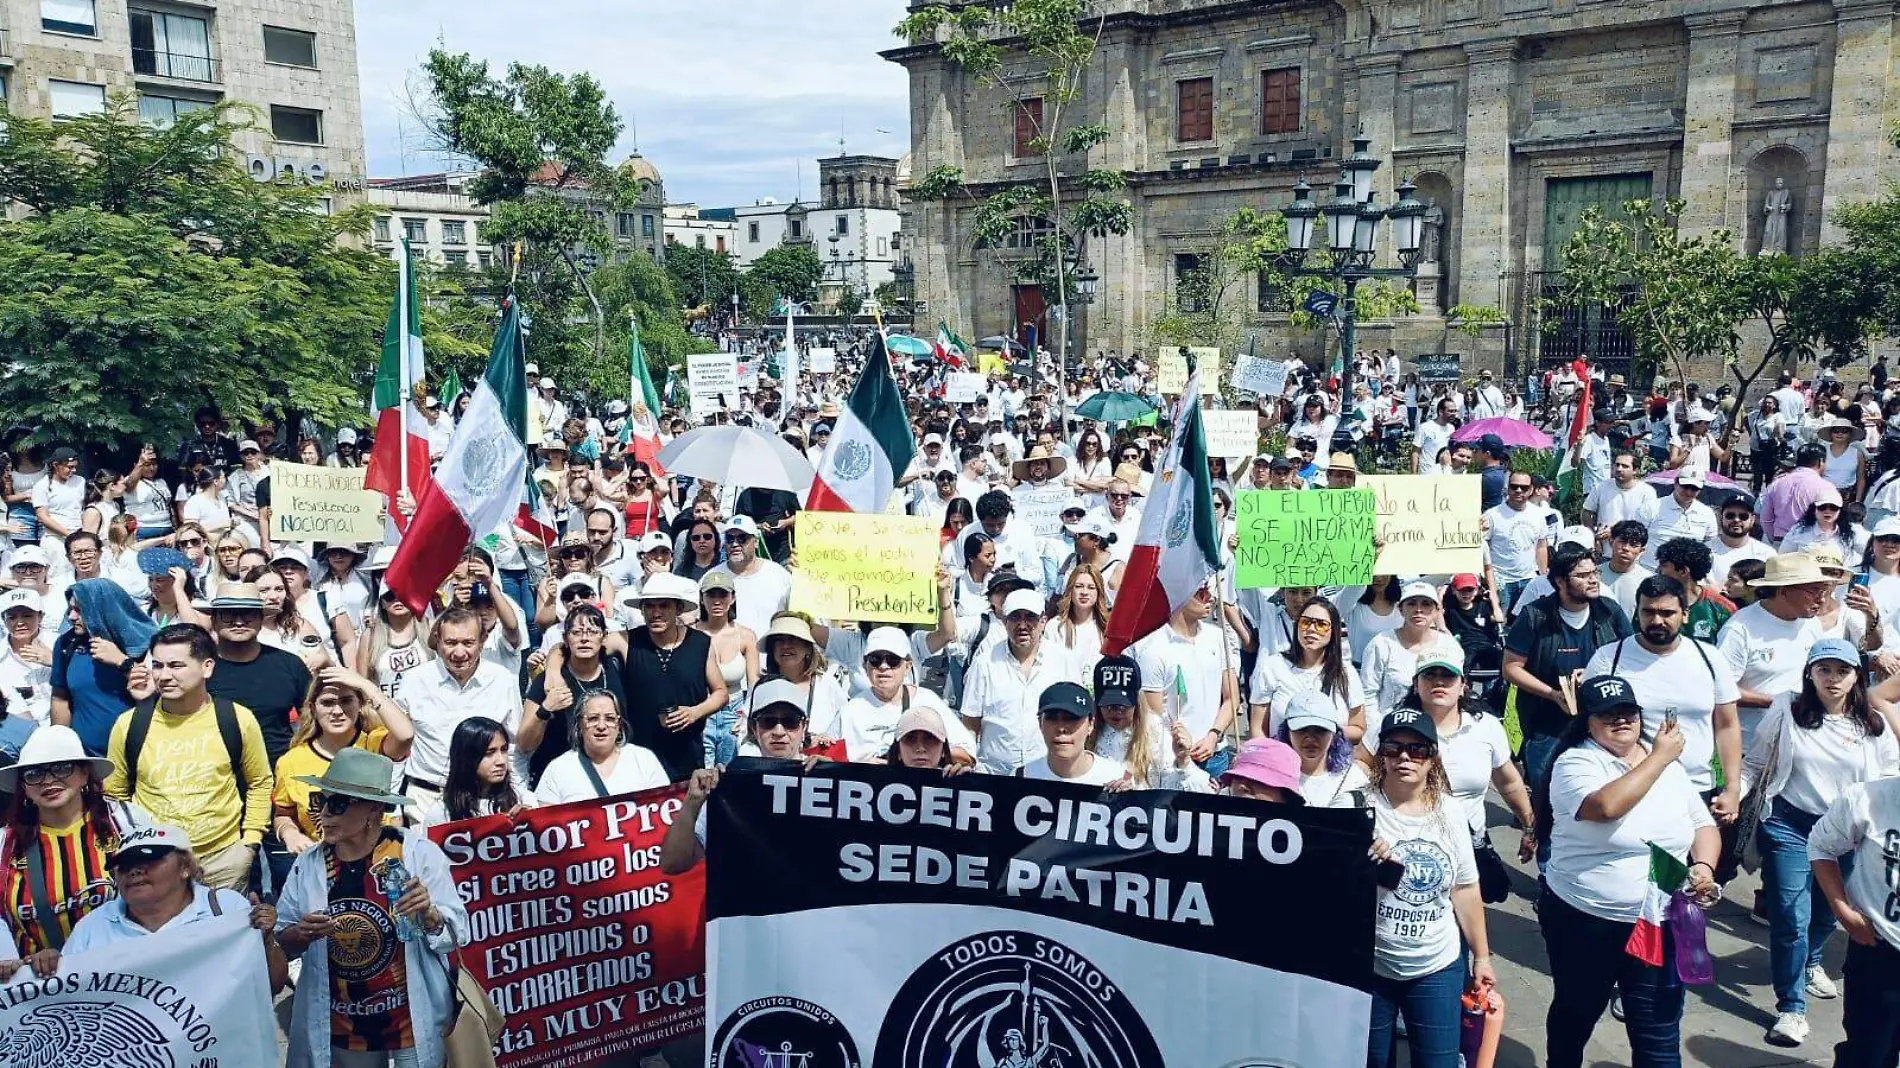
(406, 390)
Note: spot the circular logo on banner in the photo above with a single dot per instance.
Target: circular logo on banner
(1427, 872)
(783, 1033)
(854, 460)
(481, 465)
(1010, 999)
(93, 1034)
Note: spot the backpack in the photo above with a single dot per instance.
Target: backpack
(226, 713)
(944, 673)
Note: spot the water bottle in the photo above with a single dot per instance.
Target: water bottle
(395, 878)
(1688, 926)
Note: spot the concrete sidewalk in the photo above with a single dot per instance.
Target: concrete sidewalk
(1723, 1024)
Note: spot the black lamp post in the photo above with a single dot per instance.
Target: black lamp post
(1352, 231)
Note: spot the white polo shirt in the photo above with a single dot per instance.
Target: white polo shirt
(1201, 660)
(1001, 693)
(437, 704)
(1696, 522)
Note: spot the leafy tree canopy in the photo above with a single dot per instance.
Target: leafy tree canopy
(155, 274)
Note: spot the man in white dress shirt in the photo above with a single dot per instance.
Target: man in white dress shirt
(1005, 682)
(440, 694)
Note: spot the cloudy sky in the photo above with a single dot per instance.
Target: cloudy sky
(729, 97)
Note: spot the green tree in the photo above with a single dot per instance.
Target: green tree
(1071, 201)
(788, 272)
(153, 274)
(701, 276)
(541, 140)
(636, 287)
(1214, 305)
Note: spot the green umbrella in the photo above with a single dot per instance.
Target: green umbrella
(1114, 407)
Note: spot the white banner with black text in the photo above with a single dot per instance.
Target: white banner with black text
(863, 916)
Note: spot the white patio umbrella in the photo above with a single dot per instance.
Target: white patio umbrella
(739, 456)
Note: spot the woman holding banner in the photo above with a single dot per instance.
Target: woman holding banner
(60, 831)
(160, 887)
(379, 907)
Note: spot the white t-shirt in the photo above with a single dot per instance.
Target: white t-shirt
(1202, 663)
(150, 502)
(1100, 772)
(1864, 821)
(1385, 672)
(1822, 763)
(1603, 868)
(1276, 682)
(760, 595)
(869, 726)
(1470, 754)
(63, 501)
(565, 780)
(1726, 557)
(1622, 588)
(1611, 504)
(1686, 681)
(1511, 542)
(1417, 932)
(1333, 789)
(1363, 624)
(1767, 654)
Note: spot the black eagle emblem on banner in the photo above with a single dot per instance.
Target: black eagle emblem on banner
(84, 1034)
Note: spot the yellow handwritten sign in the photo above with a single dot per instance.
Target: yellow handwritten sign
(323, 504)
(1429, 523)
(871, 568)
(1171, 369)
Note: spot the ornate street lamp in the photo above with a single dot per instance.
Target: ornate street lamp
(1300, 217)
(1342, 217)
(1360, 166)
(1408, 223)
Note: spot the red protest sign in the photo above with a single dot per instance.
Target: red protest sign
(576, 935)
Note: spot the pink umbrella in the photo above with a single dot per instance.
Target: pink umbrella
(1709, 478)
(1513, 432)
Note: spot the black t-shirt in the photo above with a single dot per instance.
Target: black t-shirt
(654, 682)
(263, 492)
(770, 506)
(270, 686)
(559, 736)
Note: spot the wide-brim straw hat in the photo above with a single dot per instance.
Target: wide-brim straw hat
(1131, 474)
(1791, 569)
(1057, 464)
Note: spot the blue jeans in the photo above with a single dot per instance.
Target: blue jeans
(520, 589)
(1430, 1005)
(1538, 751)
(720, 744)
(1587, 964)
(1507, 594)
(1799, 920)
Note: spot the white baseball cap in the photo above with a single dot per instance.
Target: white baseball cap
(1577, 535)
(1023, 601)
(1310, 708)
(744, 524)
(1889, 527)
(1418, 588)
(887, 640)
(18, 598)
(27, 556)
(655, 541)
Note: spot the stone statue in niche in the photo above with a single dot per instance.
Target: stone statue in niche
(1776, 206)
(1431, 235)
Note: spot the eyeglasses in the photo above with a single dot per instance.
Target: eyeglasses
(45, 773)
(766, 723)
(334, 804)
(1620, 714)
(702, 537)
(1320, 626)
(573, 595)
(187, 543)
(882, 661)
(1519, 487)
(1120, 496)
(1827, 507)
(1411, 750)
(574, 552)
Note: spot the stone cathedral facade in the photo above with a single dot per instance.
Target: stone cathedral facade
(1511, 116)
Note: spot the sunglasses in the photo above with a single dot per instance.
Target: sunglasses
(189, 542)
(1520, 487)
(1827, 507)
(334, 804)
(1619, 715)
(574, 552)
(766, 723)
(1321, 625)
(1120, 496)
(882, 660)
(573, 595)
(45, 773)
(703, 537)
(1412, 750)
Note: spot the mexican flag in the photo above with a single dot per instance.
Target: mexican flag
(401, 455)
(870, 445)
(1567, 476)
(640, 437)
(1666, 876)
(1177, 548)
(951, 349)
(483, 481)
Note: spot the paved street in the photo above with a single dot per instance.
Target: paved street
(1724, 1024)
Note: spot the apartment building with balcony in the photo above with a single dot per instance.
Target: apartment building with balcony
(294, 61)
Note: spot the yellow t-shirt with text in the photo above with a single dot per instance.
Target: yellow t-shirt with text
(186, 780)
